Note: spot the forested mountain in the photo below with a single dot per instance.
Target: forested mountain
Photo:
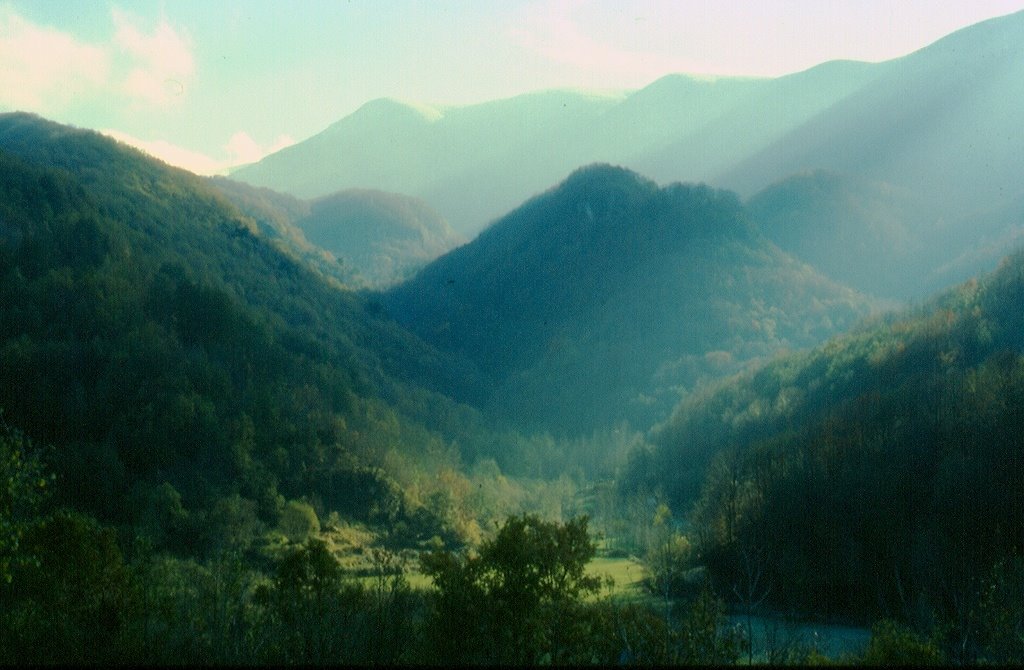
(152, 335)
(384, 237)
(605, 297)
(872, 236)
(922, 148)
(880, 238)
(360, 238)
(877, 475)
(940, 122)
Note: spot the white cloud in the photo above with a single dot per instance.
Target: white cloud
(44, 69)
(240, 149)
(243, 149)
(193, 161)
(160, 63)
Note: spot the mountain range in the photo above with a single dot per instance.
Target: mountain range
(206, 364)
(940, 121)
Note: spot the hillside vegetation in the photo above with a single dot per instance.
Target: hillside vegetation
(167, 351)
(877, 475)
(605, 298)
(383, 237)
(359, 238)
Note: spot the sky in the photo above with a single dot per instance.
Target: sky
(210, 84)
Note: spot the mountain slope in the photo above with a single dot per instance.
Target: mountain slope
(384, 237)
(601, 299)
(765, 112)
(865, 234)
(941, 122)
(152, 334)
(872, 476)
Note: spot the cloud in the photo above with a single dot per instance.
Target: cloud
(160, 62)
(243, 149)
(240, 149)
(172, 154)
(44, 68)
(558, 31)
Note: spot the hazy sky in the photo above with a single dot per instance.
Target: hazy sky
(209, 83)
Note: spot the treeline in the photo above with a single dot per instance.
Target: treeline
(78, 591)
(877, 476)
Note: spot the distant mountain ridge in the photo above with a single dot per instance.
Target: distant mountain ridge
(942, 121)
(939, 126)
(501, 152)
(958, 99)
(603, 298)
(384, 236)
(360, 238)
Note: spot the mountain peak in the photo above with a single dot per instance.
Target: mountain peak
(394, 111)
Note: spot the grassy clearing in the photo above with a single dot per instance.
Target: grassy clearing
(628, 575)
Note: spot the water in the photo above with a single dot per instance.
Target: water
(774, 636)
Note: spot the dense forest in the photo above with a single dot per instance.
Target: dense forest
(876, 476)
(605, 298)
(218, 446)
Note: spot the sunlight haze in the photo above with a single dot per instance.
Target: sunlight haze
(211, 85)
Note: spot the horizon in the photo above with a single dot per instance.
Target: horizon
(190, 83)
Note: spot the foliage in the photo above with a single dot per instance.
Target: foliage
(176, 350)
(71, 604)
(23, 486)
(515, 601)
(877, 476)
(894, 644)
(299, 521)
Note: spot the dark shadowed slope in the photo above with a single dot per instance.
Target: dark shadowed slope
(876, 475)
(152, 333)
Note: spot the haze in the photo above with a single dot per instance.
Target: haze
(209, 85)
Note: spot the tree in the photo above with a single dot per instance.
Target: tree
(514, 601)
(894, 644)
(22, 488)
(299, 521)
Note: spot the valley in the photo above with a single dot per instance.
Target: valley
(722, 370)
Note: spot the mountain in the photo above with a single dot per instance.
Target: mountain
(873, 476)
(766, 111)
(941, 122)
(869, 235)
(502, 152)
(880, 238)
(385, 237)
(605, 297)
(165, 345)
(358, 238)
(925, 146)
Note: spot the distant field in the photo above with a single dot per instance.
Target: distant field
(628, 574)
